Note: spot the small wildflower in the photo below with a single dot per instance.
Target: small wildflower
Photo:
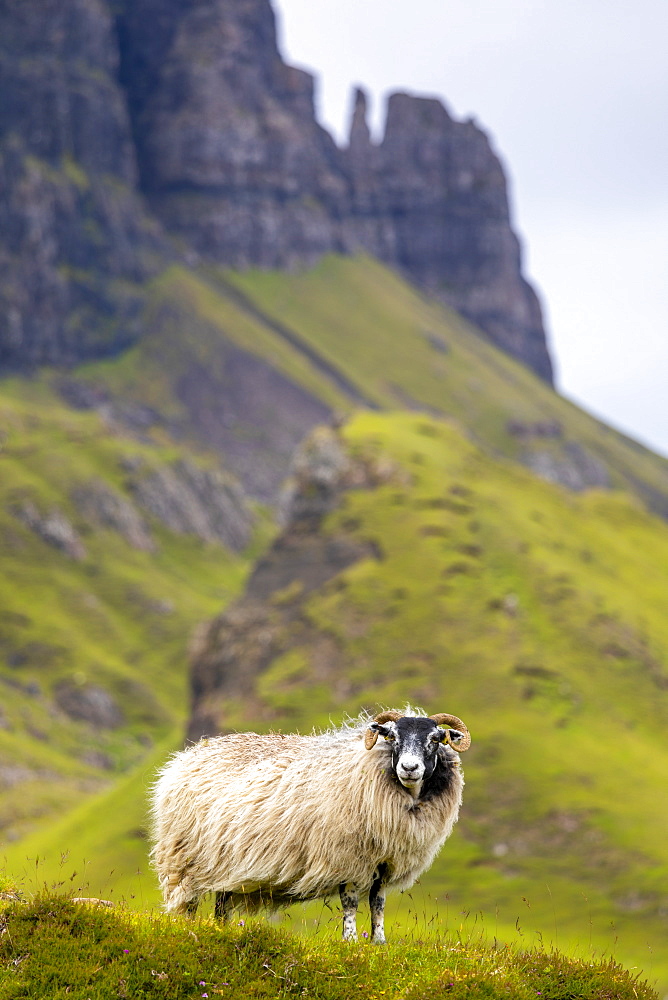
(126, 951)
(242, 923)
(364, 934)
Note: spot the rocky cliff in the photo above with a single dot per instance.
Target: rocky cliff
(183, 111)
(75, 243)
(230, 653)
(232, 159)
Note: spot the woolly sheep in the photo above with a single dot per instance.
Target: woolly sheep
(272, 819)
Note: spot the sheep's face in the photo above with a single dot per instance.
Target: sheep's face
(414, 742)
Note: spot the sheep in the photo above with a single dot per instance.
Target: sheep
(273, 819)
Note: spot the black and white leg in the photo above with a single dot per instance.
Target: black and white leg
(377, 906)
(191, 907)
(349, 903)
(222, 907)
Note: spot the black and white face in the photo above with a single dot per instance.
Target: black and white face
(415, 742)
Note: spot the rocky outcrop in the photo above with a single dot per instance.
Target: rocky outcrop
(104, 507)
(231, 156)
(52, 527)
(88, 703)
(186, 106)
(232, 160)
(445, 194)
(186, 498)
(548, 453)
(230, 652)
(192, 500)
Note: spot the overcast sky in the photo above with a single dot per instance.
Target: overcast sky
(574, 95)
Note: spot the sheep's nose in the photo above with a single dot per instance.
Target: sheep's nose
(411, 767)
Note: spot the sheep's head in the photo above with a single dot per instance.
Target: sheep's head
(415, 741)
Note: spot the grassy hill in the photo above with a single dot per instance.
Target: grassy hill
(536, 615)
(345, 334)
(534, 612)
(98, 597)
(56, 948)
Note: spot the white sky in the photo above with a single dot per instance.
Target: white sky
(574, 95)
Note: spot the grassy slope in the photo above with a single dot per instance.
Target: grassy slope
(381, 332)
(100, 847)
(119, 618)
(187, 321)
(567, 695)
(582, 644)
(55, 948)
(400, 349)
(536, 615)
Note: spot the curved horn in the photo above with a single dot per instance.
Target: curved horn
(390, 716)
(370, 736)
(442, 719)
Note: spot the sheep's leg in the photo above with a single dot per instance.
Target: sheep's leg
(377, 906)
(190, 908)
(349, 901)
(222, 910)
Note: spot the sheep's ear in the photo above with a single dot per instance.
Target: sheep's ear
(370, 738)
(372, 732)
(453, 737)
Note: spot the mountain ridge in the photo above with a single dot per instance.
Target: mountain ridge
(136, 134)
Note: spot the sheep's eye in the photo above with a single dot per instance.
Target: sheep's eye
(390, 738)
(435, 739)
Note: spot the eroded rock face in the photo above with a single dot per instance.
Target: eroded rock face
(187, 106)
(446, 196)
(196, 501)
(88, 703)
(230, 652)
(75, 241)
(104, 507)
(232, 159)
(52, 527)
(230, 153)
(59, 91)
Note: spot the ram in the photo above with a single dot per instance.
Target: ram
(270, 820)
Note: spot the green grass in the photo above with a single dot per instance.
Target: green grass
(399, 349)
(536, 615)
(189, 322)
(108, 839)
(53, 947)
(405, 351)
(114, 618)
